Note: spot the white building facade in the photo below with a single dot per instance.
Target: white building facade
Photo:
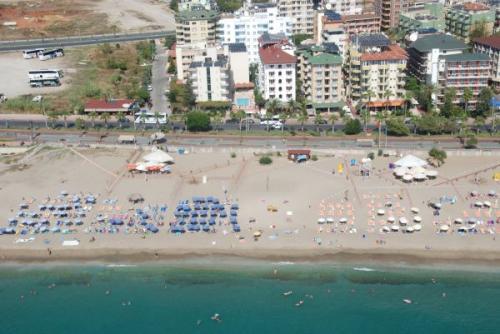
(211, 79)
(345, 7)
(301, 12)
(246, 25)
(277, 70)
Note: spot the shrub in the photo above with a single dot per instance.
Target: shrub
(265, 160)
(278, 154)
(353, 127)
(380, 152)
(371, 156)
(233, 155)
(470, 142)
(80, 124)
(198, 121)
(438, 154)
(314, 157)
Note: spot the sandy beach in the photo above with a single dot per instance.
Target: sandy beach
(282, 202)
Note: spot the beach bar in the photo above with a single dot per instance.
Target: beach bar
(299, 155)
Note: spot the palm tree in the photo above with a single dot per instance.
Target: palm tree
(332, 119)
(379, 117)
(365, 114)
(93, 116)
(283, 117)
(240, 115)
(318, 120)
(387, 95)
(105, 117)
(53, 116)
(272, 106)
(302, 119)
(407, 97)
(293, 107)
(120, 116)
(157, 117)
(468, 95)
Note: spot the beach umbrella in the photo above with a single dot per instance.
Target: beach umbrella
(194, 214)
(492, 193)
(409, 229)
(186, 208)
(458, 221)
(206, 228)
(236, 228)
(203, 221)
(487, 204)
(414, 210)
(431, 174)
(135, 198)
(437, 205)
(417, 219)
(380, 212)
(417, 227)
(329, 220)
(42, 207)
(386, 229)
(420, 177)
(210, 199)
(234, 213)
(390, 219)
(23, 206)
(474, 193)
(203, 213)
(235, 206)
(193, 221)
(216, 200)
(197, 207)
(444, 228)
(403, 221)
(478, 204)
(233, 220)
(213, 214)
(343, 220)
(472, 220)
(223, 214)
(407, 178)
(394, 228)
(211, 221)
(257, 234)
(463, 229)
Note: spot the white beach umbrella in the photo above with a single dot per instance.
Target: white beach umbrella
(458, 221)
(343, 220)
(463, 229)
(444, 228)
(321, 220)
(420, 177)
(478, 204)
(472, 220)
(492, 193)
(417, 227)
(417, 219)
(403, 221)
(431, 173)
(409, 229)
(407, 178)
(391, 219)
(487, 204)
(395, 228)
(437, 205)
(386, 229)
(474, 193)
(380, 212)
(329, 220)
(414, 210)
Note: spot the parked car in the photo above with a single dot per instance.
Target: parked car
(37, 98)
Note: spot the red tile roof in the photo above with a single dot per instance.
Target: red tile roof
(274, 55)
(244, 85)
(394, 52)
(491, 41)
(474, 7)
(384, 103)
(108, 104)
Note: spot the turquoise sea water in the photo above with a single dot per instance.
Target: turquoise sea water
(181, 298)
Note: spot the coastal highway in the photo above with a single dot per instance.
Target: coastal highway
(271, 142)
(81, 40)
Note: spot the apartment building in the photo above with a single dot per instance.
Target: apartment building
(376, 72)
(196, 25)
(277, 70)
(331, 27)
(319, 69)
(430, 15)
(211, 78)
(461, 20)
(444, 61)
(389, 11)
(345, 7)
(185, 55)
(301, 12)
(246, 25)
(491, 47)
(187, 4)
(461, 71)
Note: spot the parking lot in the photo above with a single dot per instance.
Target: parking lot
(15, 68)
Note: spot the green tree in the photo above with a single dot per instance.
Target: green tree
(240, 116)
(332, 119)
(397, 127)
(120, 117)
(174, 5)
(438, 155)
(483, 102)
(197, 121)
(449, 96)
(365, 115)
(412, 84)
(299, 38)
(353, 127)
(105, 118)
(479, 30)
(272, 106)
(471, 142)
(80, 123)
(318, 120)
(93, 115)
(408, 96)
(387, 95)
(302, 119)
(265, 160)
(254, 72)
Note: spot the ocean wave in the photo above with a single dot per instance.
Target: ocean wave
(363, 269)
(283, 263)
(112, 265)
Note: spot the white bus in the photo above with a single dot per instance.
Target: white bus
(49, 54)
(45, 74)
(33, 53)
(150, 118)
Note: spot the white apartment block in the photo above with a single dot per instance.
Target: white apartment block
(211, 78)
(187, 4)
(345, 7)
(185, 55)
(247, 24)
(277, 70)
(490, 46)
(301, 12)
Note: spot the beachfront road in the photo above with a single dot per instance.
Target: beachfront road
(271, 142)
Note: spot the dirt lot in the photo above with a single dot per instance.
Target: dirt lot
(15, 68)
(35, 19)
